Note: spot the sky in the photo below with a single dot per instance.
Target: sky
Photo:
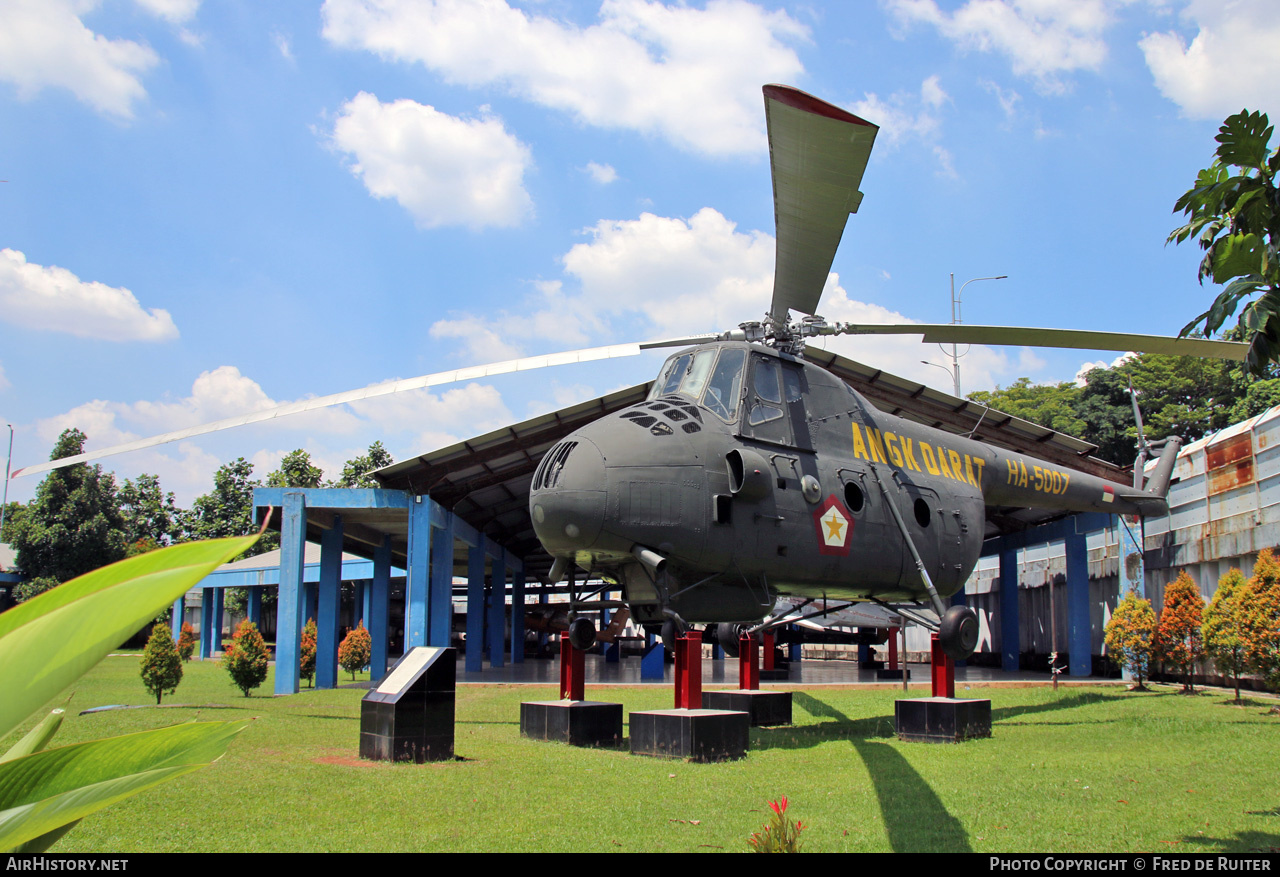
(213, 207)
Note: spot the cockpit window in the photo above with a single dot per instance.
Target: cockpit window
(696, 378)
(765, 378)
(671, 375)
(724, 390)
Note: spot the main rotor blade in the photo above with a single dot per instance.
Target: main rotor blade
(818, 153)
(961, 333)
(383, 389)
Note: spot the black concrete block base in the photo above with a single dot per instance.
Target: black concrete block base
(764, 707)
(942, 719)
(778, 674)
(699, 735)
(892, 674)
(871, 665)
(578, 722)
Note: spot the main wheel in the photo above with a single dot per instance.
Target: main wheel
(959, 632)
(727, 636)
(582, 634)
(672, 630)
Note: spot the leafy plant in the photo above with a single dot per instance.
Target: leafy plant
(307, 668)
(246, 657)
(1221, 628)
(161, 665)
(187, 641)
(355, 650)
(46, 644)
(1129, 636)
(780, 834)
(1234, 208)
(1178, 638)
(1260, 619)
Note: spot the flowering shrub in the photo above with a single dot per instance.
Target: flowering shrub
(1221, 627)
(246, 657)
(780, 834)
(1178, 639)
(1130, 634)
(355, 650)
(307, 652)
(1260, 619)
(187, 641)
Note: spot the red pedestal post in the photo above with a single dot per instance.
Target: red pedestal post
(893, 648)
(748, 665)
(571, 671)
(689, 671)
(943, 670)
(767, 645)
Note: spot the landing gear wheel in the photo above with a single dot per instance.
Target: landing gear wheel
(727, 636)
(582, 634)
(959, 632)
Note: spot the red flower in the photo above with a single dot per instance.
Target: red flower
(779, 807)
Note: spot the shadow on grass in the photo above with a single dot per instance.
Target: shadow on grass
(1240, 842)
(914, 817)
(1071, 701)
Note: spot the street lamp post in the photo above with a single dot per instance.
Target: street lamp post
(955, 320)
(9, 461)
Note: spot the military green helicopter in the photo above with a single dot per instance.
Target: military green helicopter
(751, 473)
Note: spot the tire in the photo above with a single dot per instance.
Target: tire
(582, 634)
(959, 632)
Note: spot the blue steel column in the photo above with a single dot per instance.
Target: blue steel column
(441, 585)
(254, 607)
(498, 610)
(330, 592)
(379, 608)
(1010, 646)
(517, 614)
(416, 576)
(219, 602)
(361, 608)
(475, 606)
(175, 622)
(206, 622)
(292, 599)
(1078, 628)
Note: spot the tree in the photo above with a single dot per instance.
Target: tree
(246, 657)
(355, 650)
(1221, 628)
(1051, 405)
(1260, 619)
(307, 667)
(1178, 639)
(296, 470)
(148, 512)
(74, 524)
(161, 665)
(1129, 635)
(228, 509)
(187, 641)
(1234, 209)
(356, 472)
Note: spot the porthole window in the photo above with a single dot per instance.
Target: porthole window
(923, 513)
(853, 497)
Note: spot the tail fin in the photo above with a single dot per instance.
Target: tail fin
(1158, 483)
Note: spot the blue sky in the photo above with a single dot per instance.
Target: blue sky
(211, 207)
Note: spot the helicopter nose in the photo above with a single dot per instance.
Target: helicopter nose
(567, 497)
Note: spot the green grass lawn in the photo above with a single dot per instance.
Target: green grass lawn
(1082, 769)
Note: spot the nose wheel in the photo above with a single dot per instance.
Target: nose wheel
(582, 634)
(958, 634)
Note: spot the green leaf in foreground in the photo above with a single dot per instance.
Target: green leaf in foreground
(47, 642)
(47, 790)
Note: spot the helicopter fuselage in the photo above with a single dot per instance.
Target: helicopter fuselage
(749, 473)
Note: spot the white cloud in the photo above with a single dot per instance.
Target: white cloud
(601, 173)
(1231, 63)
(442, 169)
(1087, 367)
(656, 277)
(44, 44)
(1041, 38)
(283, 46)
(172, 11)
(691, 76)
(4, 381)
(54, 299)
(907, 117)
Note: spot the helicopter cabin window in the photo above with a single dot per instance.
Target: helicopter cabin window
(725, 387)
(695, 379)
(768, 388)
(672, 374)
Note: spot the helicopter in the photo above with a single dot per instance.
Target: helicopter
(751, 474)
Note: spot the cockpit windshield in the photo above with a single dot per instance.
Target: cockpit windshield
(700, 375)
